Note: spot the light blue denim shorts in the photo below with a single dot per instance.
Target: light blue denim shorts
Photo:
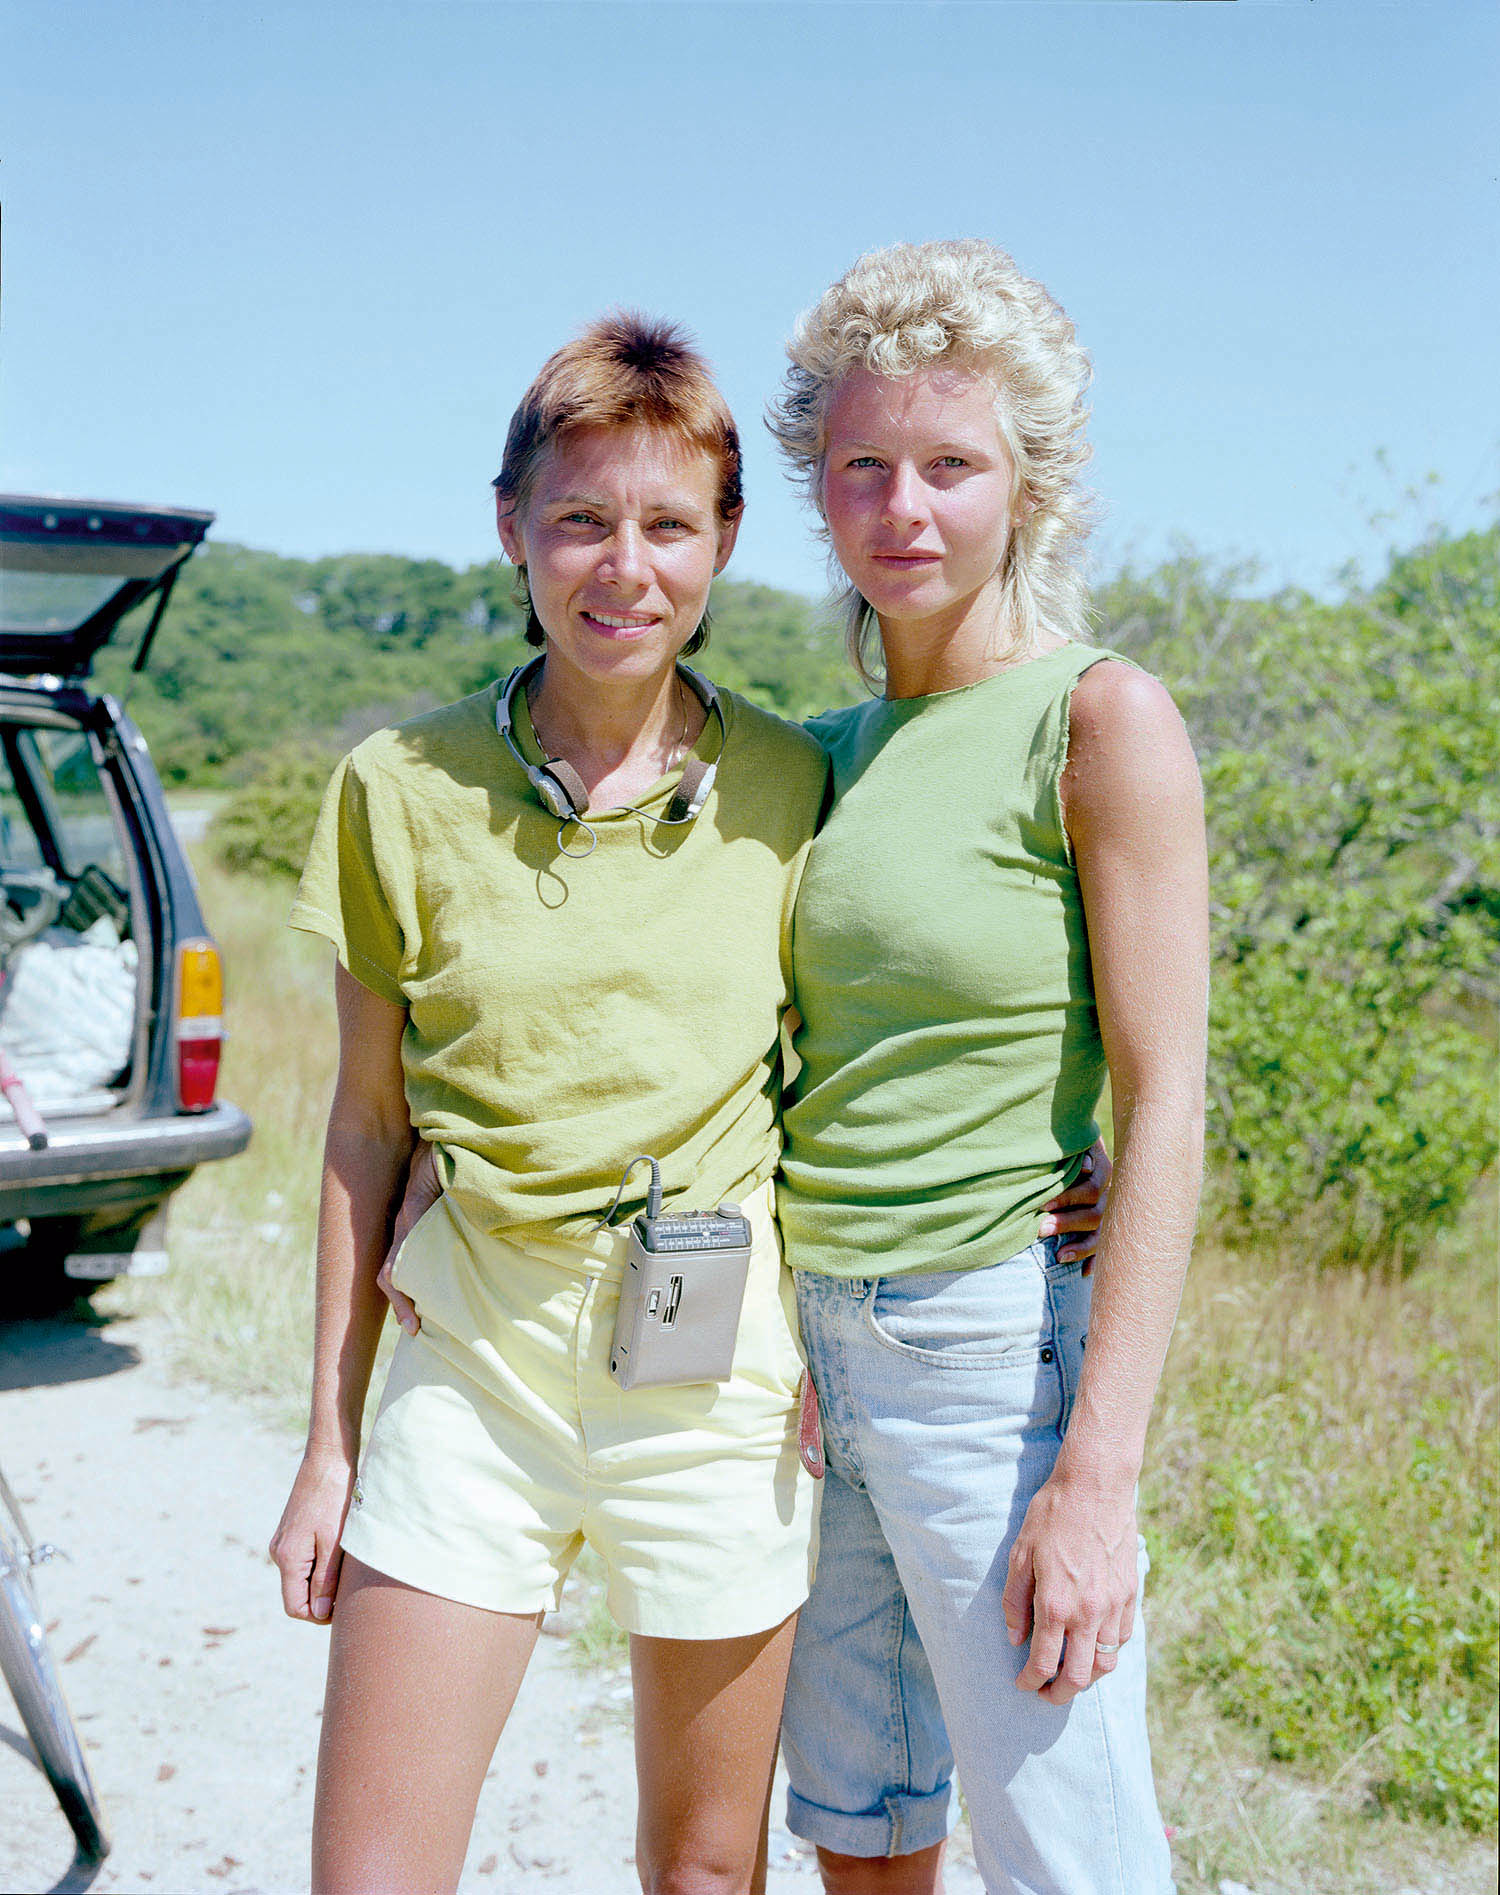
(945, 1396)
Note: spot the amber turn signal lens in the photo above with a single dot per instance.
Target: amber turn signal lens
(200, 982)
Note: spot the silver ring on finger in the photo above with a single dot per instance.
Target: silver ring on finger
(1101, 1647)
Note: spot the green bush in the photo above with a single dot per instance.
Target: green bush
(1350, 758)
(308, 646)
(1346, 1123)
(266, 826)
(255, 643)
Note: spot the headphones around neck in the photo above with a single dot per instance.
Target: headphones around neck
(561, 788)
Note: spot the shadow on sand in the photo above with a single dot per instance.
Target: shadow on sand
(47, 1351)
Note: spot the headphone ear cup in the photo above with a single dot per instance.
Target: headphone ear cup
(692, 791)
(562, 788)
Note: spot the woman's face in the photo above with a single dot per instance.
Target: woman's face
(620, 540)
(917, 489)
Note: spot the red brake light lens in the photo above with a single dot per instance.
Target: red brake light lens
(200, 1024)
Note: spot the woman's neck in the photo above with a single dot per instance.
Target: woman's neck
(968, 642)
(620, 735)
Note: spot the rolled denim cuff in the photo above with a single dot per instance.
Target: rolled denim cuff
(903, 1823)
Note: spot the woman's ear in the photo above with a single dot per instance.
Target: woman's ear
(729, 532)
(509, 530)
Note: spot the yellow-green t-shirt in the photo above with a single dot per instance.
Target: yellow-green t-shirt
(566, 1013)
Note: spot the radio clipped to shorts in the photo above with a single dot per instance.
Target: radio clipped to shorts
(682, 1292)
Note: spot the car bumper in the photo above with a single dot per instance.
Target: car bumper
(90, 1162)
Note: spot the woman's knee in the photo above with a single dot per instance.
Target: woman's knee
(698, 1869)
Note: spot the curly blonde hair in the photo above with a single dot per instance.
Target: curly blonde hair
(960, 303)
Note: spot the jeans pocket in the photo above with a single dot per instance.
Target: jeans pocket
(990, 1318)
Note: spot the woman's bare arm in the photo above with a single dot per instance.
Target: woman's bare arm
(364, 1164)
(1134, 811)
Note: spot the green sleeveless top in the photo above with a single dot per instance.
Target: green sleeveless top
(951, 1061)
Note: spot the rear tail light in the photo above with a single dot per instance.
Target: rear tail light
(200, 1024)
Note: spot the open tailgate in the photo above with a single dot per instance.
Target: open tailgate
(70, 570)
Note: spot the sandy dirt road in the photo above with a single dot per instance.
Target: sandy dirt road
(198, 1701)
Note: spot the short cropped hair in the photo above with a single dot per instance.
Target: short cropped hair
(959, 303)
(624, 371)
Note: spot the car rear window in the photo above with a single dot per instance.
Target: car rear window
(52, 601)
(80, 816)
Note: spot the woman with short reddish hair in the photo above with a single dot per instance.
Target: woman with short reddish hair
(561, 914)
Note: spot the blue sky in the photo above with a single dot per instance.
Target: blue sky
(296, 262)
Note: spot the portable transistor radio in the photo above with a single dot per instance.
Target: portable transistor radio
(681, 1294)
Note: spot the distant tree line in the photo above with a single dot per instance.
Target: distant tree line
(314, 654)
(1349, 752)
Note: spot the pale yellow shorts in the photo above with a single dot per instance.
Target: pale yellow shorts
(503, 1446)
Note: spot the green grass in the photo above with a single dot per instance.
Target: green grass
(1319, 1497)
(1321, 1507)
(596, 1640)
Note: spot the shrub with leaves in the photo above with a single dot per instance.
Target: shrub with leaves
(1350, 756)
(255, 642)
(266, 826)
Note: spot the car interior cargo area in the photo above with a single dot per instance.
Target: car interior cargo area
(72, 1010)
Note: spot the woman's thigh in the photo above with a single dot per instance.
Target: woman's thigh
(419, 1688)
(946, 1398)
(706, 1716)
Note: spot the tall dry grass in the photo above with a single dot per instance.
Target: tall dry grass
(1320, 1489)
(1320, 1500)
(242, 1233)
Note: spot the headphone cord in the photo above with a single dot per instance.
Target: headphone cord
(679, 754)
(653, 1191)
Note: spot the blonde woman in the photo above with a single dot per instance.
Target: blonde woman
(1006, 902)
